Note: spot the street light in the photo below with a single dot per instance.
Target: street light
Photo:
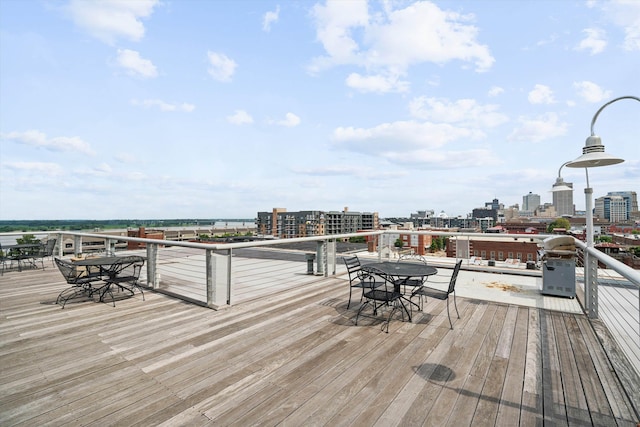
(560, 185)
(593, 155)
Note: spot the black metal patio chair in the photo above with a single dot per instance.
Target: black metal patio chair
(441, 294)
(127, 276)
(80, 279)
(410, 284)
(44, 251)
(4, 258)
(382, 293)
(357, 276)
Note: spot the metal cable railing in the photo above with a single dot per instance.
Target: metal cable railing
(231, 272)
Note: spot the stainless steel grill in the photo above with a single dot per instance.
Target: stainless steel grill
(559, 266)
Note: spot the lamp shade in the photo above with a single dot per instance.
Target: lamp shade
(593, 155)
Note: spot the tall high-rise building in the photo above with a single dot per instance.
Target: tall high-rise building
(530, 202)
(563, 197)
(631, 197)
(616, 206)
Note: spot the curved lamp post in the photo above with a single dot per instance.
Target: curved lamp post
(593, 155)
(560, 185)
(562, 195)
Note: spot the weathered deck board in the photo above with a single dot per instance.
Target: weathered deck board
(293, 356)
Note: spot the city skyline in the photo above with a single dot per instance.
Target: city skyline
(155, 109)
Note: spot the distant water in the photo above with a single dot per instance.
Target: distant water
(11, 240)
(218, 225)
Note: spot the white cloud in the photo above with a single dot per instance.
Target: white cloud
(396, 39)
(350, 170)
(446, 159)
(290, 120)
(594, 41)
(109, 20)
(411, 143)
(39, 139)
(163, 106)
(626, 15)
(221, 67)
(270, 18)
(37, 168)
(103, 169)
(125, 158)
(376, 83)
(541, 94)
(401, 136)
(240, 117)
(538, 129)
(131, 61)
(464, 111)
(495, 91)
(591, 92)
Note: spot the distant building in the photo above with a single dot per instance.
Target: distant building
(479, 213)
(563, 197)
(547, 210)
(530, 202)
(286, 225)
(492, 248)
(617, 206)
(422, 218)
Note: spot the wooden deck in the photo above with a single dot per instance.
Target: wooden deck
(294, 358)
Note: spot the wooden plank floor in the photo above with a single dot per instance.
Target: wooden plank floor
(292, 359)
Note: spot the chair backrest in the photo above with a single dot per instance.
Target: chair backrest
(131, 269)
(49, 246)
(68, 270)
(353, 265)
(454, 277)
(379, 280)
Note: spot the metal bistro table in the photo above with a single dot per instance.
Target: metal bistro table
(22, 252)
(115, 270)
(404, 271)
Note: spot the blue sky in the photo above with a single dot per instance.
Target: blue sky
(210, 109)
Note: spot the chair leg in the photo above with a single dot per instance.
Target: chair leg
(455, 304)
(359, 310)
(135, 285)
(395, 307)
(349, 303)
(448, 315)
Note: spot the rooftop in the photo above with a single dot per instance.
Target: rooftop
(289, 353)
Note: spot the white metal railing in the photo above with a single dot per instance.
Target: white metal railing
(612, 294)
(181, 268)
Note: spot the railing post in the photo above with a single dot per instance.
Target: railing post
(77, 245)
(153, 277)
(229, 258)
(591, 284)
(320, 256)
(59, 249)
(218, 278)
(210, 266)
(331, 257)
(109, 246)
